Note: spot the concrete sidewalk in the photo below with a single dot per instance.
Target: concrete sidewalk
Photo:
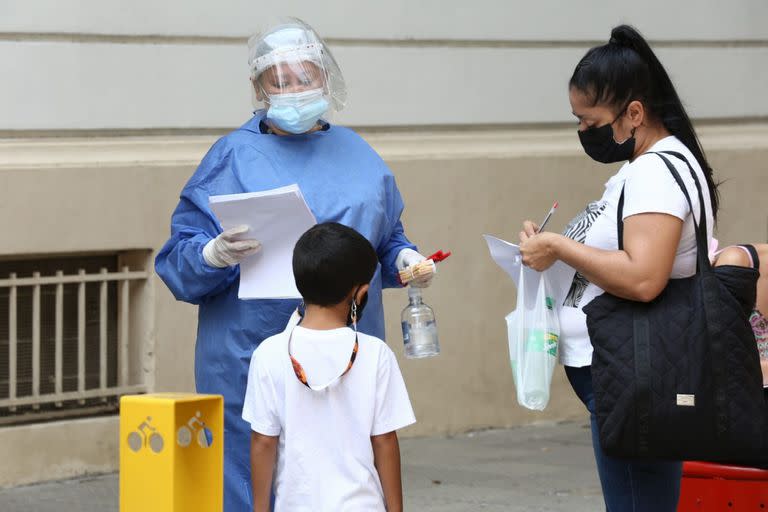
(546, 467)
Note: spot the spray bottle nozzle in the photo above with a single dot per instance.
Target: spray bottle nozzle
(439, 256)
(424, 268)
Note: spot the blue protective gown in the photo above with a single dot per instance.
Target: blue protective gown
(343, 180)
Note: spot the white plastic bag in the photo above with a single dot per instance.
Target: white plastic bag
(534, 332)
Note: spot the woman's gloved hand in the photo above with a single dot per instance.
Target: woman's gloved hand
(409, 257)
(226, 251)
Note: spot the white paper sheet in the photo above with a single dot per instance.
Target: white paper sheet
(507, 256)
(277, 219)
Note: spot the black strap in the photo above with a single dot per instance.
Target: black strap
(702, 247)
(642, 345)
(700, 229)
(702, 213)
(620, 220)
(752, 252)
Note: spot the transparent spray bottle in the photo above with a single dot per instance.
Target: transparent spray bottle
(419, 327)
(418, 319)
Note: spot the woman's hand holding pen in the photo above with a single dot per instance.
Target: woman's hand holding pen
(537, 249)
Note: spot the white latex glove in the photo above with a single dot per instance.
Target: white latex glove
(408, 257)
(226, 251)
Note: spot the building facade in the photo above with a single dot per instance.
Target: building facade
(106, 108)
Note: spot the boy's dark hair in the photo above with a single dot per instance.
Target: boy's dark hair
(331, 260)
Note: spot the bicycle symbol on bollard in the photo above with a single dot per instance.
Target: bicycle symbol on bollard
(137, 440)
(197, 427)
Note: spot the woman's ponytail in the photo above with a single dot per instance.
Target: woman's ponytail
(627, 69)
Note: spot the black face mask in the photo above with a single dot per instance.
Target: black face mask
(360, 308)
(598, 143)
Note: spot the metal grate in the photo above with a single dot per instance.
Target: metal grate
(64, 337)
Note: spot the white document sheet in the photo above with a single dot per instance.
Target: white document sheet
(277, 219)
(507, 256)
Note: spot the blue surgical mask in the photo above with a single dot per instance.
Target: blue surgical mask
(297, 112)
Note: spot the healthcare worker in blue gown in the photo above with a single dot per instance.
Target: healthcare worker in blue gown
(298, 82)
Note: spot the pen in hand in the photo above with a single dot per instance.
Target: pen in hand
(546, 219)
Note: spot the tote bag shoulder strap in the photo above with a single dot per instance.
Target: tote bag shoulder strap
(701, 234)
(695, 177)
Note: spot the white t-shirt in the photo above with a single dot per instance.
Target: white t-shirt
(325, 456)
(649, 187)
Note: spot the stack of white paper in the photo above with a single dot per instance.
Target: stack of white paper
(276, 218)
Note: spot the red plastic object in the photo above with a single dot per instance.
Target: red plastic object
(439, 256)
(708, 487)
(436, 258)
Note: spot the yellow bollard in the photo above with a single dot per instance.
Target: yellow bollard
(171, 453)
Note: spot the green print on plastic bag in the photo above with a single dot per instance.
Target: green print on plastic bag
(540, 341)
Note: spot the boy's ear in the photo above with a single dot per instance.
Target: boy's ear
(361, 293)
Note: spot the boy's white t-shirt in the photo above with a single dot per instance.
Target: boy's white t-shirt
(325, 457)
(649, 187)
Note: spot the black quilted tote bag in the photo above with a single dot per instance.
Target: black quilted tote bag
(679, 377)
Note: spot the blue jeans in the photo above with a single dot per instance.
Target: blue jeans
(629, 485)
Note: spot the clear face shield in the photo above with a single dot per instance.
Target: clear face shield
(295, 77)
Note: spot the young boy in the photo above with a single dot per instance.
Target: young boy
(324, 401)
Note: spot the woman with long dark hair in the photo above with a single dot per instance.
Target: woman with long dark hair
(627, 109)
